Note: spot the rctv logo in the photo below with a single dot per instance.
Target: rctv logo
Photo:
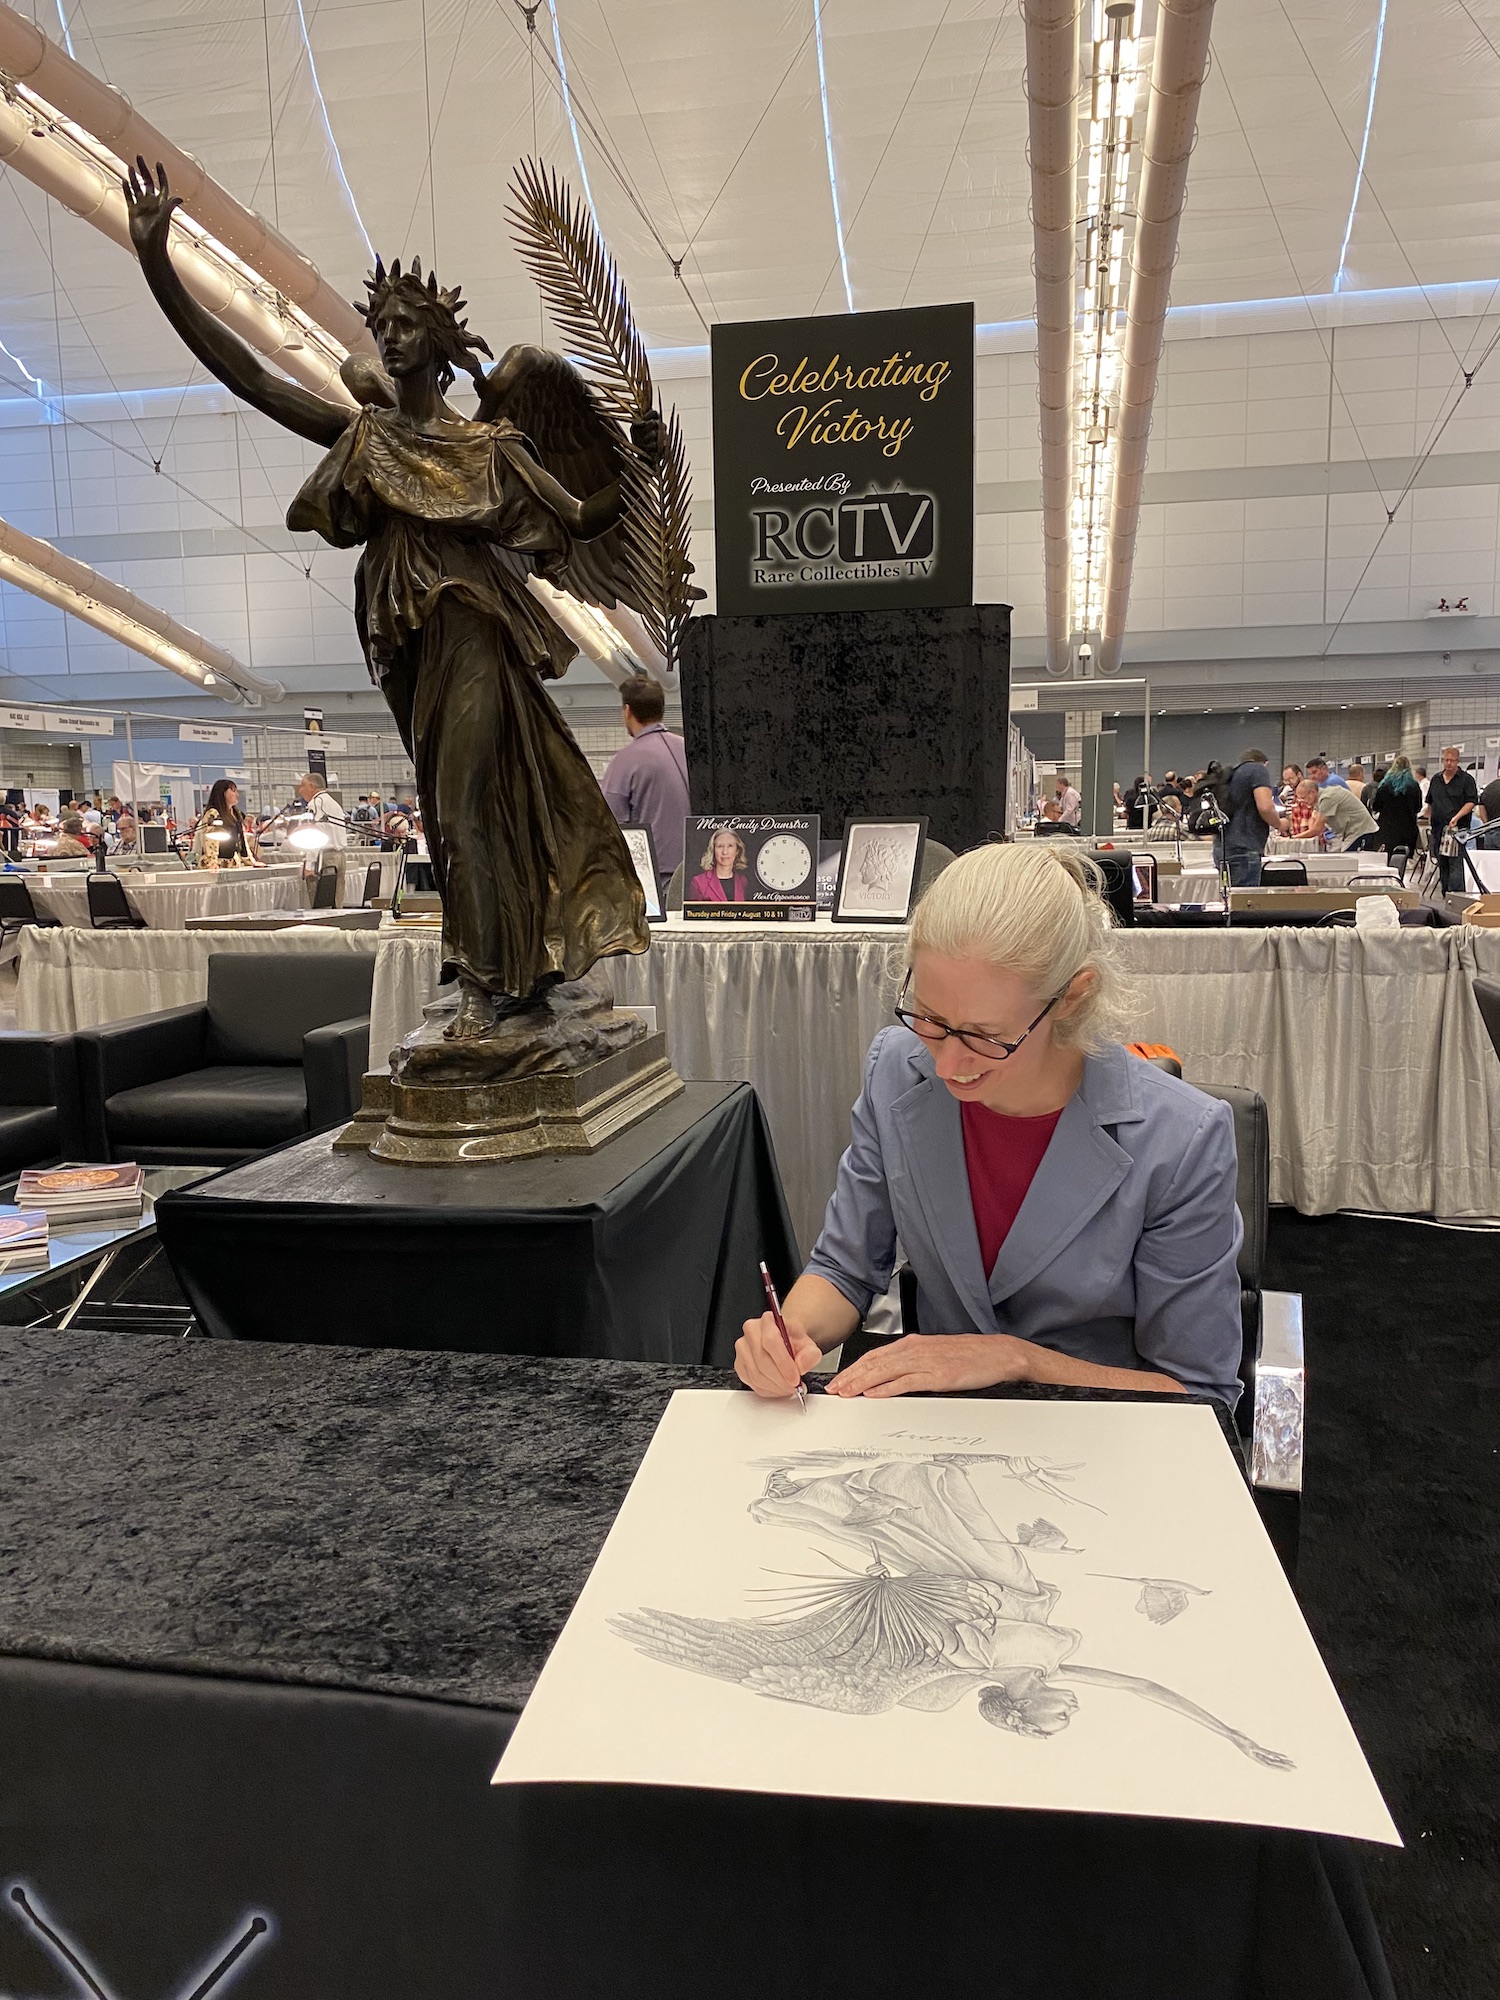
(896, 527)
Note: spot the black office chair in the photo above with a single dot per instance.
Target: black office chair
(1285, 872)
(278, 1049)
(17, 909)
(1487, 993)
(326, 893)
(109, 906)
(40, 1122)
(372, 885)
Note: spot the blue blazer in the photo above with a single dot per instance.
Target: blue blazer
(1123, 1251)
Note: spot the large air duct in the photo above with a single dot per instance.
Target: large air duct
(73, 587)
(1177, 71)
(1051, 96)
(72, 134)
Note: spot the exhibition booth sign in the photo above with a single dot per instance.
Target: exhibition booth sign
(844, 461)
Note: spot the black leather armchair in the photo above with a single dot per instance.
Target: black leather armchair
(39, 1110)
(276, 1051)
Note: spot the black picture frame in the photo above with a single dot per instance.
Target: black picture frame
(656, 904)
(898, 912)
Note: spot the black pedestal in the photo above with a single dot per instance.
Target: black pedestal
(866, 713)
(644, 1251)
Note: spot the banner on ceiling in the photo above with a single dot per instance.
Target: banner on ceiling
(844, 461)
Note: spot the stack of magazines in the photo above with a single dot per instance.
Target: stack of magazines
(23, 1240)
(83, 1194)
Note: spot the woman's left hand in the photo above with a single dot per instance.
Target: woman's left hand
(935, 1363)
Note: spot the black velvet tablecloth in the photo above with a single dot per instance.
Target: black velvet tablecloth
(266, 1616)
(646, 1250)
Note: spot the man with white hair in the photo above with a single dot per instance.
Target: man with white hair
(1451, 798)
(327, 813)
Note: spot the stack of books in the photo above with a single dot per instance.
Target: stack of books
(23, 1240)
(83, 1194)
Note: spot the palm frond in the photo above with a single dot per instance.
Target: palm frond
(558, 242)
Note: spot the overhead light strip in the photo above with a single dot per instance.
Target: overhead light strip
(1364, 147)
(833, 172)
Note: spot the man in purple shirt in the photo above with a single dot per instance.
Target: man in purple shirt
(647, 782)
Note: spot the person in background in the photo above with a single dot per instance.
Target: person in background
(646, 783)
(1396, 803)
(1306, 821)
(1452, 796)
(1350, 824)
(324, 807)
(1291, 778)
(1136, 804)
(1356, 779)
(92, 817)
(1050, 820)
(223, 832)
(1421, 777)
(1367, 792)
(1322, 777)
(1070, 802)
(1487, 812)
(1253, 818)
(71, 845)
(366, 814)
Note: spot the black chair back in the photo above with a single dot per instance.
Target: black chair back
(16, 906)
(1286, 872)
(1400, 860)
(109, 906)
(372, 883)
(262, 1004)
(326, 893)
(1487, 993)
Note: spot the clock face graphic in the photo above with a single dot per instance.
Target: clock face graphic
(784, 863)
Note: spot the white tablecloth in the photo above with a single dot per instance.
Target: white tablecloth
(167, 904)
(1382, 1088)
(77, 979)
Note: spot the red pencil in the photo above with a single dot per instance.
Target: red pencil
(775, 1304)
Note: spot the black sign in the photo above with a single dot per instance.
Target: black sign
(844, 461)
(317, 761)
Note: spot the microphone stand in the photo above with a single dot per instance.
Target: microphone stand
(1218, 819)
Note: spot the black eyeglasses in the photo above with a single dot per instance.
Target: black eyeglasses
(929, 1030)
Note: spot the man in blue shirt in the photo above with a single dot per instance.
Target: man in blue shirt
(647, 782)
(1322, 777)
(1251, 806)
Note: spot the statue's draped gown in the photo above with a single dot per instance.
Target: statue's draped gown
(535, 877)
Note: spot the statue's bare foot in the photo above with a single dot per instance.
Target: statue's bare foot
(475, 1016)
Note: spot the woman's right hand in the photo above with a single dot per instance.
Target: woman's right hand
(762, 1362)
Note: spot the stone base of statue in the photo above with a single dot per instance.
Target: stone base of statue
(563, 1077)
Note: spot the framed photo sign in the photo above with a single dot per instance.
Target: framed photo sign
(754, 868)
(880, 869)
(643, 854)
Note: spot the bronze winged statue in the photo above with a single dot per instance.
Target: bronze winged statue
(452, 514)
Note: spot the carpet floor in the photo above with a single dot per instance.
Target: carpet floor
(1399, 1560)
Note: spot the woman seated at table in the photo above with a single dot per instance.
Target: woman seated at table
(724, 867)
(223, 833)
(1068, 1210)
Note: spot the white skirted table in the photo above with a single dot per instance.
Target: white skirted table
(77, 979)
(1382, 1088)
(165, 902)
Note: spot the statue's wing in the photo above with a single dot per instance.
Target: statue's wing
(580, 444)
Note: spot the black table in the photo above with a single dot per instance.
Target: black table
(644, 1251)
(266, 1616)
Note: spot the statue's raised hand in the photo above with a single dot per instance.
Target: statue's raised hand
(149, 204)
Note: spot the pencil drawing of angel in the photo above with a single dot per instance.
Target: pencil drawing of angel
(944, 1604)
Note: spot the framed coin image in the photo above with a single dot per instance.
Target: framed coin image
(643, 855)
(880, 869)
(750, 868)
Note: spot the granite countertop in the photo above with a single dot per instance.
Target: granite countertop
(405, 1523)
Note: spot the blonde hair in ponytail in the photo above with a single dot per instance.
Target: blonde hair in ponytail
(1032, 908)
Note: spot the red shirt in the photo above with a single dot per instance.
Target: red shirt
(1002, 1155)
